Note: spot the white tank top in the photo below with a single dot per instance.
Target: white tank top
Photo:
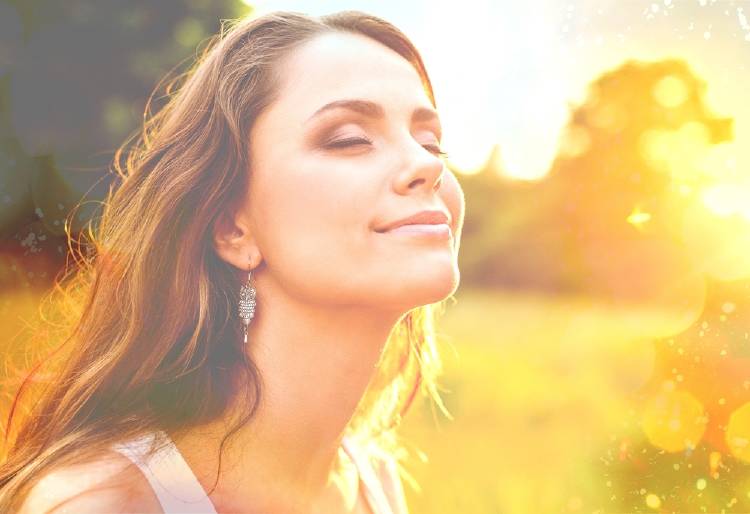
(180, 492)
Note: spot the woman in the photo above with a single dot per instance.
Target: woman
(298, 166)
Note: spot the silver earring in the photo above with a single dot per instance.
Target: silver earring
(247, 303)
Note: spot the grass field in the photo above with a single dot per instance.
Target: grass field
(537, 386)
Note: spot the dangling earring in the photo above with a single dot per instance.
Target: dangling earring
(247, 303)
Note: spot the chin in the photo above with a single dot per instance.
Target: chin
(426, 289)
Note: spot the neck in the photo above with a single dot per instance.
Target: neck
(315, 365)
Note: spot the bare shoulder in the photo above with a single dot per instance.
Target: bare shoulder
(111, 483)
(387, 471)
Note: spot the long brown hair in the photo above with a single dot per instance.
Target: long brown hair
(148, 309)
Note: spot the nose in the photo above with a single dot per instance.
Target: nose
(421, 170)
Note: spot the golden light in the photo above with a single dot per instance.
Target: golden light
(679, 152)
(728, 199)
(465, 155)
(670, 92)
(716, 229)
(525, 164)
(738, 433)
(638, 217)
(608, 116)
(575, 141)
(674, 420)
(529, 154)
(679, 290)
(714, 463)
(653, 501)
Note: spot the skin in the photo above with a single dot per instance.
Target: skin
(329, 288)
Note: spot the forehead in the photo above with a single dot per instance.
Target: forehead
(341, 65)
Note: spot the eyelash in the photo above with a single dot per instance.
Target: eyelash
(353, 141)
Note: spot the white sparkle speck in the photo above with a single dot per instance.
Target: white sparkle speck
(743, 19)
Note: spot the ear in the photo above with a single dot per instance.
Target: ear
(234, 241)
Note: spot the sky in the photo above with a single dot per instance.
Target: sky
(506, 72)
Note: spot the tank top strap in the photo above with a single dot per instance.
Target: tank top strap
(374, 491)
(173, 482)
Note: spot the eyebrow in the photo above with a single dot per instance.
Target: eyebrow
(373, 110)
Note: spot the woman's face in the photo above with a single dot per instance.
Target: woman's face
(323, 181)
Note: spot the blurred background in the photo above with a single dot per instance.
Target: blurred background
(597, 358)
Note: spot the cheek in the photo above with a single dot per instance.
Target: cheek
(313, 226)
(297, 216)
(316, 203)
(453, 196)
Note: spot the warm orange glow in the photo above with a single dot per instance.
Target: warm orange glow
(674, 420)
(598, 356)
(653, 501)
(717, 233)
(679, 152)
(638, 217)
(727, 200)
(575, 141)
(670, 91)
(738, 433)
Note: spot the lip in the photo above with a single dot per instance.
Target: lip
(440, 231)
(420, 219)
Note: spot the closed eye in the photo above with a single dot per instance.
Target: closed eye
(435, 149)
(352, 141)
(356, 141)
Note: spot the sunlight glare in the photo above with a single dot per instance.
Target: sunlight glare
(467, 153)
(678, 152)
(674, 420)
(738, 433)
(728, 199)
(638, 217)
(575, 141)
(670, 92)
(716, 229)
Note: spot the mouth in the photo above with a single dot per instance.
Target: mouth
(438, 231)
(434, 217)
